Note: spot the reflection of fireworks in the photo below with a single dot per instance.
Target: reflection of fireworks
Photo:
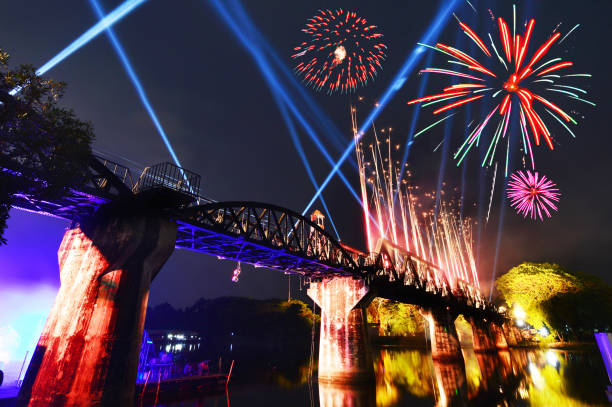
(515, 82)
(532, 194)
(342, 51)
(394, 213)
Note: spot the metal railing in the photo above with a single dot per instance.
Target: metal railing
(170, 176)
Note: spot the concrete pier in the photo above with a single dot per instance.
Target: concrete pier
(445, 344)
(88, 351)
(344, 356)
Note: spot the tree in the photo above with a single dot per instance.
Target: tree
(571, 304)
(44, 148)
(395, 318)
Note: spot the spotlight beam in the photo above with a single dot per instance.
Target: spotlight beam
(274, 84)
(302, 154)
(396, 84)
(323, 120)
(117, 14)
(135, 81)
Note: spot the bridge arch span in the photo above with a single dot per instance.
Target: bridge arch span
(264, 235)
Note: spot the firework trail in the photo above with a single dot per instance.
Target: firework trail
(342, 52)
(441, 239)
(517, 83)
(532, 195)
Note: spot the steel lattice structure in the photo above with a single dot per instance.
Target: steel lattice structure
(261, 234)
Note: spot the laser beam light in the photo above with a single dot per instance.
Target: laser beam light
(425, 226)
(136, 82)
(117, 14)
(342, 51)
(521, 86)
(411, 61)
(532, 195)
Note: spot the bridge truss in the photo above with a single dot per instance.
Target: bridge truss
(263, 235)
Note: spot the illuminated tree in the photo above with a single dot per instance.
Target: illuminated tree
(395, 318)
(44, 148)
(571, 304)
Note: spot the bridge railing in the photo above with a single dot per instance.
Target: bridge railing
(121, 172)
(169, 176)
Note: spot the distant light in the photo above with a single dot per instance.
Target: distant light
(520, 322)
(552, 359)
(519, 312)
(544, 331)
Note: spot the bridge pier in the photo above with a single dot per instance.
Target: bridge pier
(344, 355)
(88, 351)
(445, 344)
(451, 383)
(499, 337)
(483, 340)
(488, 336)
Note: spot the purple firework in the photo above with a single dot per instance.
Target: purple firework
(531, 194)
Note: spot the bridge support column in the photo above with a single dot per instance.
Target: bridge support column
(499, 337)
(484, 341)
(451, 383)
(88, 351)
(507, 328)
(344, 356)
(443, 335)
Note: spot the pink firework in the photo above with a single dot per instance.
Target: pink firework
(531, 194)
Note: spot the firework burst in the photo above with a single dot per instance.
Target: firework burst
(342, 52)
(516, 83)
(532, 194)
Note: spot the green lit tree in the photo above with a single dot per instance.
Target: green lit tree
(44, 148)
(572, 305)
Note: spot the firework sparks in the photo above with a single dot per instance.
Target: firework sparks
(408, 219)
(532, 194)
(343, 51)
(516, 79)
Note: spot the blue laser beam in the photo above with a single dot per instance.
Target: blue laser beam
(298, 146)
(409, 64)
(413, 123)
(306, 99)
(135, 80)
(268, 73)
(107, 21)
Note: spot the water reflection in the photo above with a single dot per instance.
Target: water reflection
(519, 377)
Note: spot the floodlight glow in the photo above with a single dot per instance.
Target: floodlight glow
(110, 19)
(408, 66)
(302, 154)
(274, 84)
(304, 96)
(135, 81)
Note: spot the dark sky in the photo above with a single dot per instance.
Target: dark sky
(222, 120)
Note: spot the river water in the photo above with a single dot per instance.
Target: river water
(537, 378)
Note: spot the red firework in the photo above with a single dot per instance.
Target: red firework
(342, 51)
(532, 194)
(516, 79)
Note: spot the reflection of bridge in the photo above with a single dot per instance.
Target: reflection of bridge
(124, 231)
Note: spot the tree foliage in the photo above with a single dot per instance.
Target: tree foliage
(395, 318)
(570, 304)
(44, 148)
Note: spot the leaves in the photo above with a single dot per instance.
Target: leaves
(569, 303)
(44, 148)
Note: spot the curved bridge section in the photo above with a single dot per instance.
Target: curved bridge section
(263, 235)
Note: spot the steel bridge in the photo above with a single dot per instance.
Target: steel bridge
(260, 234)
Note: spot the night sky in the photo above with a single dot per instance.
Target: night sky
(222, 120)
